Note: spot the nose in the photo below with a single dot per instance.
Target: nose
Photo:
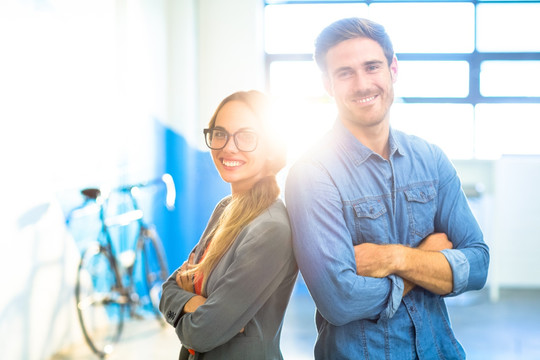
(361, 83)
(230, 146)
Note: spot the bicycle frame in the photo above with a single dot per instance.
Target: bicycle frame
(99, 288)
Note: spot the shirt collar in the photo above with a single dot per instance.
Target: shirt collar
(357, 151)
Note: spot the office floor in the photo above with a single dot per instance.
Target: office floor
(508, 329)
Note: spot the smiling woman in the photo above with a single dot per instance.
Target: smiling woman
(244, 117)
(234, 288)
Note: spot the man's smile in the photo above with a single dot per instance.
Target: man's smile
(364, 100)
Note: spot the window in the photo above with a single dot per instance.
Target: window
(469, 71)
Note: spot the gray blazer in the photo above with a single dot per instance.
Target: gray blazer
(249, 288)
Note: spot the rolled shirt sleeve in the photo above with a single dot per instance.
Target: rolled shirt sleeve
(469, 258)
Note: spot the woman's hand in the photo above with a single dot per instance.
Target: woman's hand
(185, 281)
(193, 304)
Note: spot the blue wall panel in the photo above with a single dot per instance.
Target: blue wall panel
(198, 189)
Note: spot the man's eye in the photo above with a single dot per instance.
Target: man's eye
(345, 74)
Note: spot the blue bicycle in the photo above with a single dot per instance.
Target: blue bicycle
(119, 279)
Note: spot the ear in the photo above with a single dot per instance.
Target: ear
(327, 84)
(394, 69)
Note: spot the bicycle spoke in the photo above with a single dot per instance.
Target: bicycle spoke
(100, 306)
(154, 270)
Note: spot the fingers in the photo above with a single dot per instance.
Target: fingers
(436, 242)
(183, 280)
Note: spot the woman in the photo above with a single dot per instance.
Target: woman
(229, 299)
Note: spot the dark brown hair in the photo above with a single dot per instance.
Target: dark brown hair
(351, 28)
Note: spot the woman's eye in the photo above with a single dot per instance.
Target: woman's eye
(220, 134)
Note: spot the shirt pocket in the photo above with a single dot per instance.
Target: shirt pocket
(421, 208)
(371, 221)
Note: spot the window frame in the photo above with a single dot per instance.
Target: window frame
(474, 59)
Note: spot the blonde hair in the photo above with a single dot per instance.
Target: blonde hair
(246, 206)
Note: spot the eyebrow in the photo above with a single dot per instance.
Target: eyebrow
(241, 129)
(373, 62)
(365, 63)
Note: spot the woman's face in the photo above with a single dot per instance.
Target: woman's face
(241, 169)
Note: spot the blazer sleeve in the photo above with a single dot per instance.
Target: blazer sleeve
(173, 297)
(173, 300)
(261, 261)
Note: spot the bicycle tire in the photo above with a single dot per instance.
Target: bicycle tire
(155, 270)
(100, 305)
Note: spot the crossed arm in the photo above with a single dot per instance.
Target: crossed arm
(186, 283)
(423, 266)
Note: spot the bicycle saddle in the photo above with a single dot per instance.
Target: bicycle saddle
(91, 193)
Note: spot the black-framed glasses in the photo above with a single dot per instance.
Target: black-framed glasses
(217, 138)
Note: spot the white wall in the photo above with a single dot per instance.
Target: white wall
(215, 48)
(516, 222)
(509, 214)
(81, 83)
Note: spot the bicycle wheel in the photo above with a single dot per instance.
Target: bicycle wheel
(100, 306)
(154, 269)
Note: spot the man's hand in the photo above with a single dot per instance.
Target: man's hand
(436, 242)
(431, 272)
(374, 260)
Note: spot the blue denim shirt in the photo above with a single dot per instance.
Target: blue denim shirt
(343, 194)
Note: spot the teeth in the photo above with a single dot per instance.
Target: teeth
(365, 100)
(231, 163)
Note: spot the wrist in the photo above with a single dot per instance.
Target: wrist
(399, 257)
(193, 303)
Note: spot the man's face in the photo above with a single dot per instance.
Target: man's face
(361, 82)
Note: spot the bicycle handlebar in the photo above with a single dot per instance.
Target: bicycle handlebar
(171, 191)
(167, 179)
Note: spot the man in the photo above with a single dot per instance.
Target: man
(363, 204)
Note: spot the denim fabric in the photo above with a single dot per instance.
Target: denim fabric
(342, 194)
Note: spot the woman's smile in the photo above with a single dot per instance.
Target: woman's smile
(232, 163)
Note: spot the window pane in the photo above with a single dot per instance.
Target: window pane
(508, 27)
(432, 79)
(449, 126)
(507, 129)
(293, 28)
(427, 27)
(510, 78)
(296, 79)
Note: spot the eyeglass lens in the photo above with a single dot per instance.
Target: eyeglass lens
(217, 139)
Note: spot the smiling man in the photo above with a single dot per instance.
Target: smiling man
(382, 230)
